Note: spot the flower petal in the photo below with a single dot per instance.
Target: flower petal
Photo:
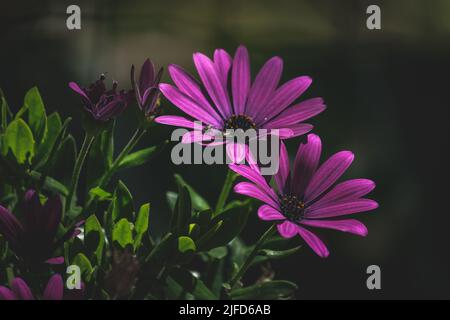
(283, 97)
(251, 190)
(240, 79)
(267, 213)
(314, 242)
(75, 87)
(341, 209)
(288, 229)
(222, 61)
(305, 165)
(236, 152)
(344, 192)
(146, 76)
(283, 169)
(328, 173)
(254, 176)
(297, 113)
(178, 122)
(186, 104)
(21, 289)
(213, 84)
(7, 294)
(55, 260)
(53, 210)
(195, 136)
(190, 87)
(351, 225)
(296, 130)
(264, 85)
(55, 288)
(10, 227)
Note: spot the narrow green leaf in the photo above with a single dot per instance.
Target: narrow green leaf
(171, 198)
(37, 118)
(182, 213)
(141, 225)
(54, 127)
(123, 206)
(95, 237)
(198, 202)
(137, 158)
(85, 266)
(191, 284)
(274, 254)
(100, 194)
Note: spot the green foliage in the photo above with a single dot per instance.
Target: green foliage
(19, 140)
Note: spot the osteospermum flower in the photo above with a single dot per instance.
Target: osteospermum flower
(146, 89)
(306, 198)
(33, 238)
(21, 291)
(242, 104)
(103, 104)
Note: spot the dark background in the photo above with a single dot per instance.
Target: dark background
(386, 92)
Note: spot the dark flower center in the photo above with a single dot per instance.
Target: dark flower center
(239, 122)
(292, 207)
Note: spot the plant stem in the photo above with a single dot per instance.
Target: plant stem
(227, 185)
(252, 255)
(88, 140)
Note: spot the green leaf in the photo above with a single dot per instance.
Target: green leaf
(37, 118)
(94, 237)
(182, 213)
(278, 289)
(5, 111)
(141, 225)
(163, 250)
(85, 266)
(54, 127)
(218, 253)
(101, 155)
(234, 221)
(19, 139)
(203, 241)
(65, 158)
(137, 158)
(171, 198)
(198, 202)
(50, 184)
(122, 205)
(100, 194)
(274, 254)
(191, 284)
(186, 244)
(123, 233)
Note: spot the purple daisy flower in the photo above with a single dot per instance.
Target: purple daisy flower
(103, 104)
(21, 291)
(307, 198)
(146, 89)
(242, 104)
(33, 239)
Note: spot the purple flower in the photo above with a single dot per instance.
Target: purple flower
(21, 291)
(146, 90)
(242, 104)
(103, 104)
(308, 197)
(33, 239)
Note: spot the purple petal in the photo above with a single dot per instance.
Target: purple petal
(55, 288)
(34, 217)
(195, 136)
(283, 97)
(267, 213)
(296, 130)
(147, 76)
(7, 294)
(305, 165)
(341, 209)
(328, 173)
(297, 113)
(213, 84)
(21, 289)
(288, 229)
(254, 177)
(53, 211)
(240, 79)
(75, 87)
(283, 169)
(264, 85)
(236, 152)
(222, 61)
(251, 190)
(190, 87)
(178, 122)
(55, 260)
(186, 104)
(10, 227)
(314, 242)
(350, 225)
(345, 191)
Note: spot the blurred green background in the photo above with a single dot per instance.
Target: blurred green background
(386, 92)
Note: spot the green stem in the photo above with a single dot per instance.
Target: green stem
(88, 140)
(227, 185)
(248, 261)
